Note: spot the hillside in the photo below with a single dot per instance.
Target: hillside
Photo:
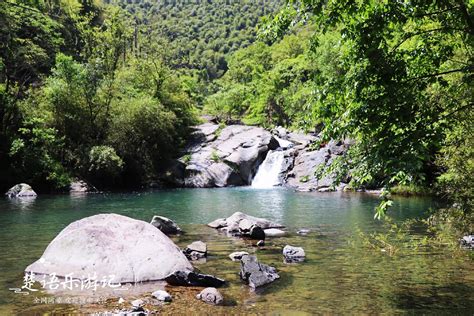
(198, 35)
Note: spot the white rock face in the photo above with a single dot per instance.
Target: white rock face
(110, 244)
(21, 190)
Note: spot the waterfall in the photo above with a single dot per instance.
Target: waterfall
(268, 172)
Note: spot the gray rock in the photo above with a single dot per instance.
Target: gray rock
(189, 278)
(80, 186)
(467, 242)
(284, 144)
(196, 250)
(235, 219)
(166, 225)
(236, 256)
(302, 177)
(92, 246)
(138, 303)
(223, 157)
(211, 296)
(274, 232)
(162, 296)
(261, 243)
(21, 190)
(293, 254)
(255, 273)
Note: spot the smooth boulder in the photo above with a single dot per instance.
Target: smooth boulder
(161, 295)
(189, 278)
(21, 190)
(211, 296)
(196, 250)
(293, 254)
(166, 225)
(108, 245)
(235, 219)
(256, 274)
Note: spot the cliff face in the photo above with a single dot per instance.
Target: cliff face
(231, 156)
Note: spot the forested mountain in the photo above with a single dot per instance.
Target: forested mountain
(199, 34)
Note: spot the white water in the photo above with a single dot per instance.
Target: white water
(268, 171)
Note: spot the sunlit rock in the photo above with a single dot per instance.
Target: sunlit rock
(293, 254)
(211, 296)
(21, 190)
(113, 247)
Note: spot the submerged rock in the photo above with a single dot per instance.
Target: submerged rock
(189, 278)
(468, 242)
(110, 244)
(21, 190)
(196, 250)
(236, 256)
(211, 296)
(162, 296)
(303, 231)
(293, 254)
(255, 273)
(166, 225)
(274, 232)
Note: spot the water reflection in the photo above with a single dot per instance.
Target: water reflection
(22, 203)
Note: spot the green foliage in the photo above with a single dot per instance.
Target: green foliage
(99, 109)
(401, 71)
(457, 157)
(35, 154)
(267, 85)
(215, 156)
(195, 36)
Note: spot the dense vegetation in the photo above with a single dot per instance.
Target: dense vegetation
(195, 37)
(78, 100)
(395, 76)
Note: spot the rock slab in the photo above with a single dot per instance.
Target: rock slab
(111, 245)
(196, 250)
(255, 273)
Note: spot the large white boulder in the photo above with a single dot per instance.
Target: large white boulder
(107, 245)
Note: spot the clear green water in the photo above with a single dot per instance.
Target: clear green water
(336, 277)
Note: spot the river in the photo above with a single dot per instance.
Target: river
(338, 276)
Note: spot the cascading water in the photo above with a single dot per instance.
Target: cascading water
(268, 172)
